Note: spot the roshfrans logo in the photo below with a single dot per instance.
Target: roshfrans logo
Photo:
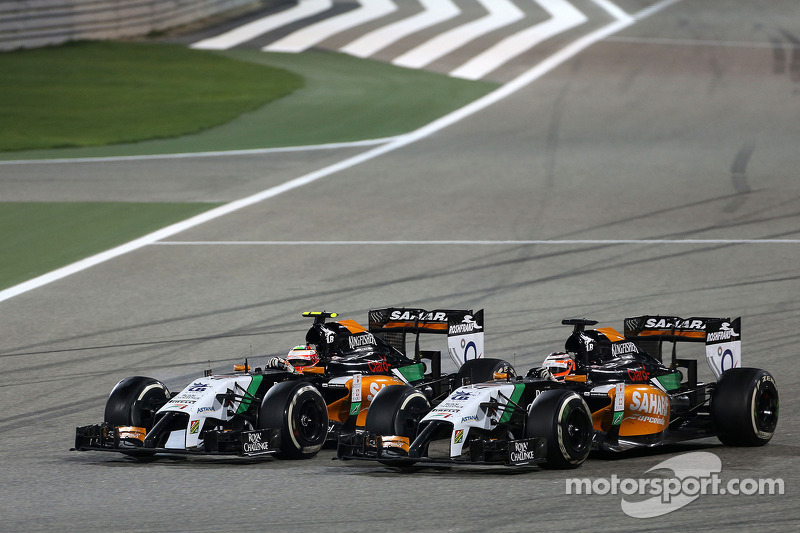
(468, 325)
(725, 333)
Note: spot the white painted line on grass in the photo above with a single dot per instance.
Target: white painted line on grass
(580, 242)
(242, 34)
(435, 12)
(307, 37)
(501, 13)
(190, 155)
(495, 96)
(564, 16)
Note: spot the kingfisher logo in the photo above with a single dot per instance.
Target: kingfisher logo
(619, 348)
(361, 340)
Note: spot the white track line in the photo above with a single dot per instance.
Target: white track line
(564, 17)
(242, 34)
(435, 11)
(495, 96)
(501, 13)
(307, 37)
(480, 243)
(191, 155)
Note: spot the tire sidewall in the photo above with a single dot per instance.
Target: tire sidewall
(283, 406)
(549, 417)
(128, 399)
(734, 406)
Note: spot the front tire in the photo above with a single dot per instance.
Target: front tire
(134, 402)
(396, 411)
(563, 419)
(744, 407)
(299, 411)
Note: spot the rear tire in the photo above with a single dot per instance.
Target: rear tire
(299, 411)
(134, 402)
(481, 371)
(744, 407)
(563, 419)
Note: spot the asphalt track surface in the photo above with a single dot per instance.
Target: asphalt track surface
(681, 128)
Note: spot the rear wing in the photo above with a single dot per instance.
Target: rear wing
(463, 327)
(722, 338)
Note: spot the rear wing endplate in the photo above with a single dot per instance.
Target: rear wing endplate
(722, 337)
(463, 327)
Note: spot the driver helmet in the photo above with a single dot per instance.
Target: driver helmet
(302, 356)
(559, 364)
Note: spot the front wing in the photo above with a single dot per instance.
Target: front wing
(123, 439)
(395, 450)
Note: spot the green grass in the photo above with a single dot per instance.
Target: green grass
(98, 93)
(94, 99)
(343, 99)
(38, 237)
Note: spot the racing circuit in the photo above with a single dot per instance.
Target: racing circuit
(643, 161)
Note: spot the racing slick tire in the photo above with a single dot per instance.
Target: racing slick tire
(563, 419)
(397, 410)
(134, 402)
(299, 411)
(481, 371)
(744, 407)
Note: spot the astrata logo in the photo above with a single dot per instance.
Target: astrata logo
(695, 474)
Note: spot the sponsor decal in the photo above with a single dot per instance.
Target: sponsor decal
(665, 323)
(178, 405)
(649, 403)
(468, 325)
(439, 414)
(198, 387)
(255, 442)
(638, 374)
(425, 316)
(355, 408)
(182, 401)
(450, 406)
(619, 348)
(619, 404)
(355, 394)
(194, 427)
(458, 436)
(521, 451)
(363, 339)
(205, 409)
(379, 366)
(461, 396)
(471, 418)
(725, 333)
(374, 388)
